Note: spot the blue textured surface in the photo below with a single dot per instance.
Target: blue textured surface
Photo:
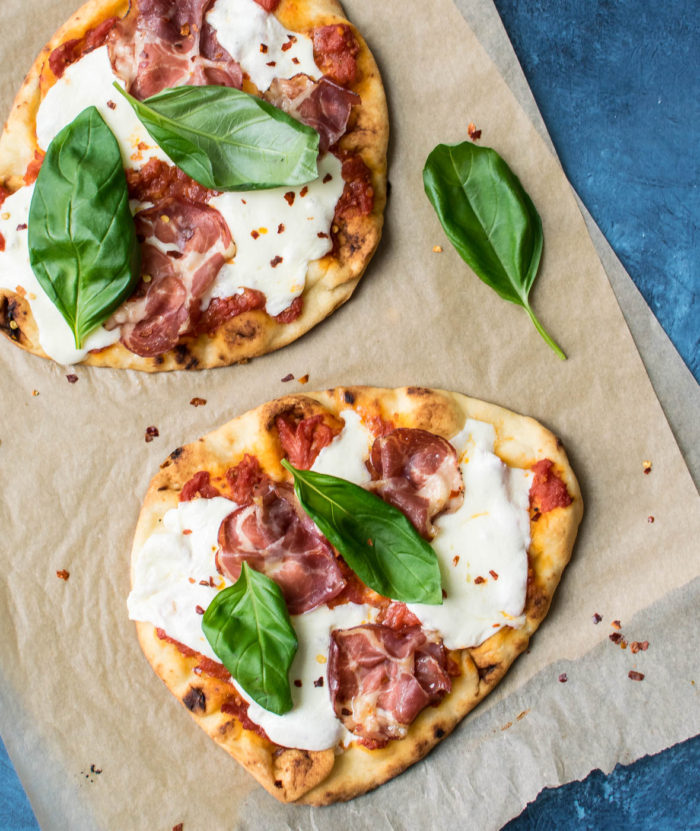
(616, 81)
(617, 84)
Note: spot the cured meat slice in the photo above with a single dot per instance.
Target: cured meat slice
(162, 44)
(279, 540)
(380, 679)
(303, 440)
(184, 247)
(323, 105)
(417, 472)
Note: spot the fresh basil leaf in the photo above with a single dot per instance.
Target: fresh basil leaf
(249, 629)
(490, 220)
(82, 241)
(226, 139)
(376, 540)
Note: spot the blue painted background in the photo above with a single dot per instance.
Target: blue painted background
(617, 84)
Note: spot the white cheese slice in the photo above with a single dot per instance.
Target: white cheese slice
(255, 38)
(167, 571)
(88, 83)
(266, 227)
(345, 456)
(487, 538)
(55, 336)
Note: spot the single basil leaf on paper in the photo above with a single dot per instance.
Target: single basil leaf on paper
(82, 241)
(376, 540)
(228, 140)
(248, 627)
(490, 220)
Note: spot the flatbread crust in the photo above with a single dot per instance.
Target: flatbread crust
(330, 281)
(321, 778)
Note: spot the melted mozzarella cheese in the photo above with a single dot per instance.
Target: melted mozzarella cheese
(55, 336)
(260, 43)
(345, 456)
(482, 547)
(89, 82)
(167, 571)
(311, 724)
(276, 240)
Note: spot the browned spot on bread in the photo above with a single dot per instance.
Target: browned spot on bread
(195, 700)
(438, 732)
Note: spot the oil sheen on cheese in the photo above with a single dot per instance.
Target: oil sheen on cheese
(89, 83)
(278, 233)
(260, 43)
(55, 336)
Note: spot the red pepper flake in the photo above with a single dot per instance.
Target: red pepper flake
(263, 48)
(63, 574)
(72, 379)
(211, 582)
(563, 678)
(198, 402)
(35, 393)
(272, 63)
(318, 682)
(507, 726)
(276, 260)
(304, 379)
(635, 676)
(297, 682)
(290, 196)
(295, 60)
(479, 580)
(204, 582)
(473, 133)
(646, 467)
(186, 531)
(623, 644)
(644, 645)
(254, 234)
(322, 235)
(650, 520)
(111, 105)
(327, 178)
(286, 46)
(493, 574)
(151, 433)
(287, 377)
(597, 618)
(22, 226)
(280, 228)
(303, 191)
(616, 624)
(522, 715)
(292, 38)
(634, 647)
(616, 637)
(455, 559)
(199, 610)
(178, 827)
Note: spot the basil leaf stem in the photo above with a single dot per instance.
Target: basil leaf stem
(490, 220)
(82, 241)
(248, 627)
(228, 140)
(377, 541)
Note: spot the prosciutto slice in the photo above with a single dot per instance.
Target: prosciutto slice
(184, 247)
(323, 105)
(303, 440)
(168, 43)
(416, 472)
(279, 540)
(380, 679)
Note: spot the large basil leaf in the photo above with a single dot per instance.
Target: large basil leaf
(82, 241)
(489, 218)
(249, 629)
(226, 139)
(377, 541)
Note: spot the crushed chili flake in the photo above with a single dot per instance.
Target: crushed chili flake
(287, 377)
(22, 226)
(178, 827)
(493, 574)
(297, 682)
(276, 260)
(507, 725)
(286, 46)
(280, 228)
(186, 531)
(437, 249)
(650, 519)
(111, 105)
(479, 580)
(63, 574)
(563, 678)
(318, 682)
(303, 191)
(597, 618)
(263, 48)
(34, 392)
(198, 402)
(151, 433)
(304, 379)
(254, 234)
(290, 196)
(327, 178)
(191, 580)
(635, 676)
(295, 60)
(272, 63)
(322, 235)
(472, 132)
(646, 466)
(204, 582)
(616, 624)
(639, 646)
(199, 610)
(522, 715)
(615, 637)
(455, 559)
(72, 379)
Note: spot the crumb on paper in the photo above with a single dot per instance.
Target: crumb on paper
(507, 725)
(62, 574)
(304, 379)
(646, 466)
(35, 393)
(563, 678)
(635, 676)
(437, 249)
(198, 402)
(473, 133)
(597, 618)
(151, 433)
(287, 377)
(72, 378)
(522, 715)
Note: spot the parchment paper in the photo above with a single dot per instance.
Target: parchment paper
(76, 691)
